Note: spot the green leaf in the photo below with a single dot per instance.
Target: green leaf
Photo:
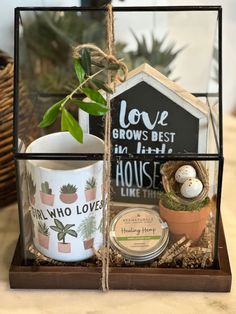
(73, 233)
(94, 95)
(79, 70)
(59, 224)
(51, 114)
(86, 61)
(68, 226)
(69, 123)
(64, 126)
(101, 85)
(55, 228)
(93, 108)
(60, 236)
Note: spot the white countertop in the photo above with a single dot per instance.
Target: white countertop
(124, 302)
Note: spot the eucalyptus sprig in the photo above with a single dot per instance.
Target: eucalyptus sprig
(89, 100)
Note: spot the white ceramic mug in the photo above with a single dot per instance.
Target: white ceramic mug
(66, 197)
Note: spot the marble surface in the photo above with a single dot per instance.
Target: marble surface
(124, 302)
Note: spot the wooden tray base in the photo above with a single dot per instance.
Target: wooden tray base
(73, 277)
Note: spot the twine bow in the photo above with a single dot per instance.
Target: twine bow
(100, 56)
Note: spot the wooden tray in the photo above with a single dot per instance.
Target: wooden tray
(73, 277)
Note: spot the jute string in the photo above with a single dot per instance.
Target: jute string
(99, 55)
(107, 59)
(107, 161)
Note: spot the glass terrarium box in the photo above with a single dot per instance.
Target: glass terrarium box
(118, 147)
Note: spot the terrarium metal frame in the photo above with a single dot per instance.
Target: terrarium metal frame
(217, 279)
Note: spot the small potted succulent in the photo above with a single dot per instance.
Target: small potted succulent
(90, 189)
(68, 193)
(63, 230)
(184, 203)
(31, 188)
(86, 230)
(43, 235)
(46, 195)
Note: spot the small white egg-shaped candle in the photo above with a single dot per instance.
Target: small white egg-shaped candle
(191, 188)
(185, 172)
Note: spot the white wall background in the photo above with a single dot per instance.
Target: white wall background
(229, 31)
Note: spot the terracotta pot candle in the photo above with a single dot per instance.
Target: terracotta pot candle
(188, 223)
(185, 204)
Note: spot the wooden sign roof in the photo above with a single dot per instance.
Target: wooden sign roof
(173, 91)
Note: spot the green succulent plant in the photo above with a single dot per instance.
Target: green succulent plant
(158, 55)
(90, 184)
(42, 228)
(87, 227)
(68, 189)
(45, 188)
(63, 230)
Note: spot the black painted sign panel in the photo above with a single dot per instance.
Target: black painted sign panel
(144, 121)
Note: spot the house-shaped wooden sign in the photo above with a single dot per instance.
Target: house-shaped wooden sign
(151, 115)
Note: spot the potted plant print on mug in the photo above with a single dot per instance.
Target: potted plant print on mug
(43, 235)
(46, 195)
(68, 193)
(62, 231)
(86, 230)
(90, 189)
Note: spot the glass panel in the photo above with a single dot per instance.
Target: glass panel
(61, 210)
(183, 194)
(46, 70)
(61, 213)
(214, 86)
(46, 42)
(154, 122)
(175, 43)
(164, 42)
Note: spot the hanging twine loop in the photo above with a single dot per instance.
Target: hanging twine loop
(100, 56)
